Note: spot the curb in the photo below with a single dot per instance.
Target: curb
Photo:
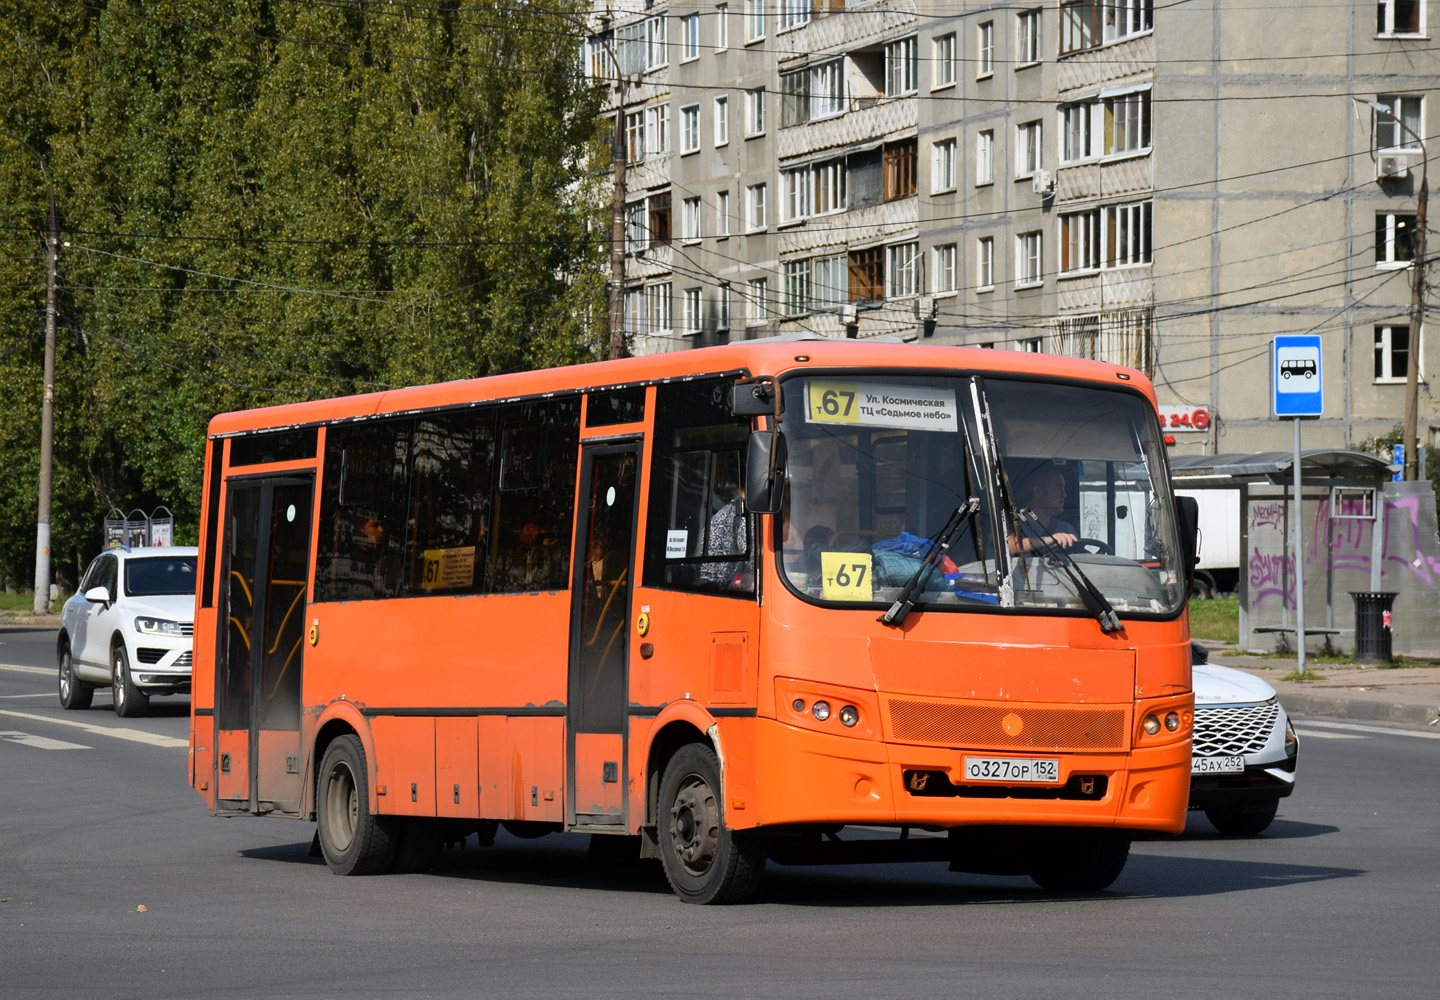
(1363, 710)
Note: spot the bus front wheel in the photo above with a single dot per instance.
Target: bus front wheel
(1078, 862)
(353, 839)
(704, 861)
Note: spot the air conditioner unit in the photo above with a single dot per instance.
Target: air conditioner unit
(1044, 182)
(925, 305)
(847, 313)
(1391, 166)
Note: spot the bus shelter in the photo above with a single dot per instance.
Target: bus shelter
(1362, 533)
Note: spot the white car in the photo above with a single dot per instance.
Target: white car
(129, 627)
(1244, 750)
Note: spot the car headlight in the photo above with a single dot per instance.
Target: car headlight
(158, 626)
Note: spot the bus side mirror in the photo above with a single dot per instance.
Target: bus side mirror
(1187, 517)
(764, 489)
(753, 399)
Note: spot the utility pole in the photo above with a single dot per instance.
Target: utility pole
(47, 406)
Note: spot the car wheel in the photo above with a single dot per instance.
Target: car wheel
(704, 861)
(130, 701)
(75, 694)
(1245, 819)
(354, 840)
(1079, 862)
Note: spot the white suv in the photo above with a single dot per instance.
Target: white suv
(130, 627)
(1244, 749)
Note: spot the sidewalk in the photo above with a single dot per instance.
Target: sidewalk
(1409, 694)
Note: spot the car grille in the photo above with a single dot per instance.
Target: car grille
(187, 628)
(1234, 729)
(183, 660)
(1007, 727)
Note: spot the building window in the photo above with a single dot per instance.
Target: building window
(722, 27)
(1088, 24)
(1076, 141)
(900, 169)
(656, 48)
(755, 207)
(635, 312)
(945, 258)
(690, 220)
(794, 13)
(660, 219)
(689, 37)
(722, 306)
(797, 287)
(829, 186)
(759, 311)
(984, 157)
(1392, 353)
(657, 129)
(1080, 241)
(867, 274)
(827, 287)
(635, 136)
(795, 194)
(755, 111)
(637, 231)
(985, 50)
(1392, 136)
(1127, 122)
(942, 166)
(1027, 149)
(722, 121)
(1027, 258)
(827, 89)
(1027, 37)
(690, 129)
(1127, 235)
(1400, 17)
(902, 270)
(985, 263)
(1394, 238)
(691, 317)
(658, 314)
(722, 214)
(754, 20)
(794, 98)
(902, 67)
(944, 55)
(1030, 345)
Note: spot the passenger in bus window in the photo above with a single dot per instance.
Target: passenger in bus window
(728, 535)
(1043, 491)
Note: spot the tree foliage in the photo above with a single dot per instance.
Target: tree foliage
(272, 200)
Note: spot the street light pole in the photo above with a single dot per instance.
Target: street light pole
(47, 406)
(1417, 303)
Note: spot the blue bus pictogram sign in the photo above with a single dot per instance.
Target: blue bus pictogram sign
(1297, 388)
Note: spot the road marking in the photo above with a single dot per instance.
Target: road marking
(134, 735)
(1317, 734)
(40, 742)
(1383, 730)
(44, 671)
(8, 697)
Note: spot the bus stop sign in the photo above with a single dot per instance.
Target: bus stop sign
(1295, 376)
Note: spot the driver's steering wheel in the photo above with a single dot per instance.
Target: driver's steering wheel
(1093, 545)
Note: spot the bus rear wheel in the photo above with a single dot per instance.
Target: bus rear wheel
(705, 862)
(1079, 862)
(353, 839)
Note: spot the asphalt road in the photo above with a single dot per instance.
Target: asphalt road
(115, 883)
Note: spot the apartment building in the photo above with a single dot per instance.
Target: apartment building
(1166, 186)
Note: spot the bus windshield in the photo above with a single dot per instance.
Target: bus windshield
(882, 470)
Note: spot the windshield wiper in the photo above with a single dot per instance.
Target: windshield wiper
(938, 547)
(1088, 592)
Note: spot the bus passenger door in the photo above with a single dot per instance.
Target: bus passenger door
(267, 551)
(599, 638)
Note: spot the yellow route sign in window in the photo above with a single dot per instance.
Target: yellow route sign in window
(449, 569)
(875, 404)
(846, 576)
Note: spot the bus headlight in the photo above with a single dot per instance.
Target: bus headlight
(1151, 724)
(821, 710)
(1172, 721)
(849, 715)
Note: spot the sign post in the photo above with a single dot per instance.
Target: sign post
(1297, 391)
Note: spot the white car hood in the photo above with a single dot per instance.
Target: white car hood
(171, 607)
(1217, 685)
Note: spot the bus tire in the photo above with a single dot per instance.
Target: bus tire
(705, 862)
(130, 701)
(353, 839)
(1079, 862)
(75, 694)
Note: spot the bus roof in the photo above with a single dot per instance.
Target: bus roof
(767, 356)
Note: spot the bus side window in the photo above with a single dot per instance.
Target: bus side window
(448, 531)
(535, 496)
(362, 511)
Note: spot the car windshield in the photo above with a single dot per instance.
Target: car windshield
(153, 576)
(878, 465)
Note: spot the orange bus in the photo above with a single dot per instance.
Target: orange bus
(787, 600)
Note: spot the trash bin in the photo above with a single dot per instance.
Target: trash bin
(1372, 626)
